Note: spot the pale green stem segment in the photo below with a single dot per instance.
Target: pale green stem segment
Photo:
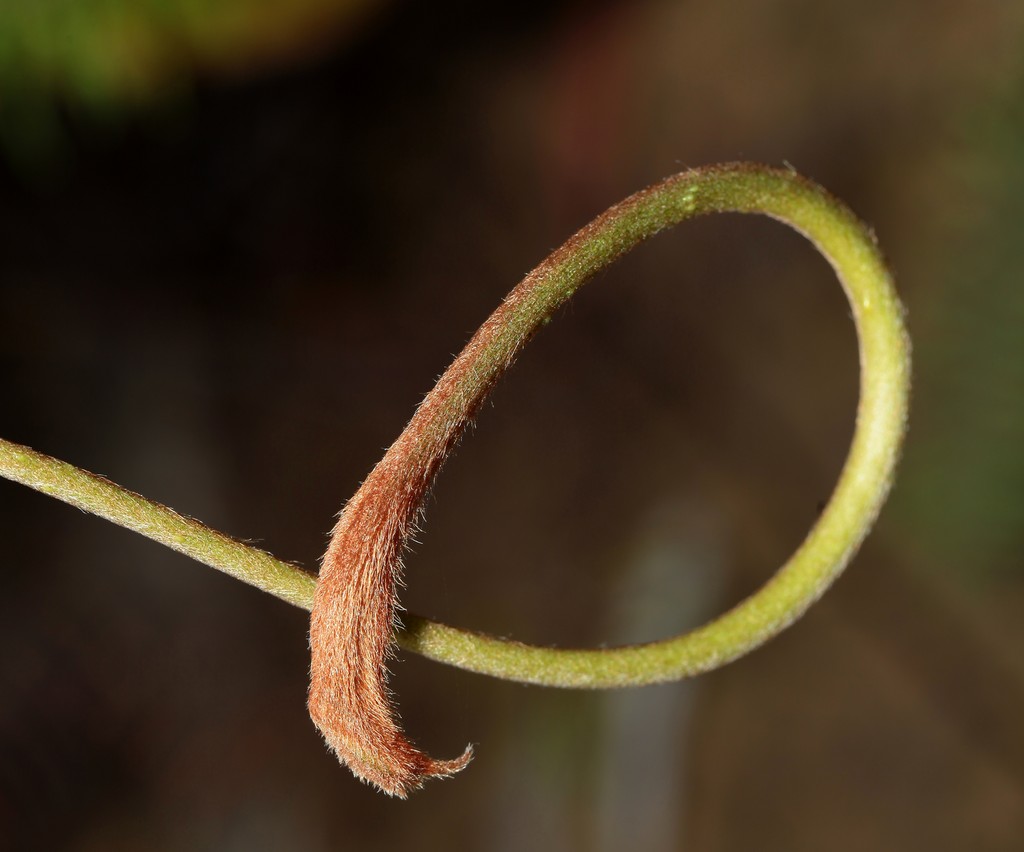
(862, 488)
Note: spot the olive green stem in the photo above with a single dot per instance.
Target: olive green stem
(100, 496)
(862, 488)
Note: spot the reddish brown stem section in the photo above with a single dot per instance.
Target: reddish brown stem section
(353, 619)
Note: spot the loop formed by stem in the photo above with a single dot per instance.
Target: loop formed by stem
(859, 494)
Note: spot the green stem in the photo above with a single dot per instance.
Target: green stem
(862, 488)
(100, 496)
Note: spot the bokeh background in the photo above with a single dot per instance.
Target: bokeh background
(238, 242)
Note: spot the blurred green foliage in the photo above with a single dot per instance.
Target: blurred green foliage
(963, 483)
(105, 55)
(104, 50)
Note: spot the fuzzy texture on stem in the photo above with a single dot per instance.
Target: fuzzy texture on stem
(355, 605)
(97, 495)
(862, 488)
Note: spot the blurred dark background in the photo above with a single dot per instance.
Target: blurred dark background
(239, 241)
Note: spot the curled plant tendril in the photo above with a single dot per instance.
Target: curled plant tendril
(354, 609)
(353, 626)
